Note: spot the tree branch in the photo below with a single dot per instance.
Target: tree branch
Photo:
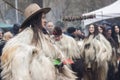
(13, 6)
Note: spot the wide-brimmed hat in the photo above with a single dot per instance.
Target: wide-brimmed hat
(33, 10)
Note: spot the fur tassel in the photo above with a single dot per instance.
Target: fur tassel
(41, 68)
(96, 50)
(105, 52)
(21, 61)
(18, 66)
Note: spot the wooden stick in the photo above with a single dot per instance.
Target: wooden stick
(13, 6)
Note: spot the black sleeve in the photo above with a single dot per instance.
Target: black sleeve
(1, 47)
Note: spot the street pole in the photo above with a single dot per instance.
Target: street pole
(16, 11)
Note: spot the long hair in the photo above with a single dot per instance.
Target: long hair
(114, 34)
(104, 30)
(36, 24)
(38, 64)
(95, 30)
(113, 29)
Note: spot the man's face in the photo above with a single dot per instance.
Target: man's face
(79, 32)
(57, 38)
(44, 21)
(75, 33)
(50, 27)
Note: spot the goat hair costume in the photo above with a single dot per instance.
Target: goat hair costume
(69, 47)
(23, 60)
(96, 52)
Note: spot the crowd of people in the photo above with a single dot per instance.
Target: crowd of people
(41, 50)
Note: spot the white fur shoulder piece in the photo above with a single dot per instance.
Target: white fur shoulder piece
(15, 62)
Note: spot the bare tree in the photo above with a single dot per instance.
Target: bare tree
(61, 8)
(39, 2)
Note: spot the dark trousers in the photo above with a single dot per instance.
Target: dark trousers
(117, 75)
(111, 72)
(78, 68)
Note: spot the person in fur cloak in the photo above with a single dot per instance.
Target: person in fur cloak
(30, 54)
(66, 43)
(70, 49)
(112, 64)
(96, 52)
(116, 37)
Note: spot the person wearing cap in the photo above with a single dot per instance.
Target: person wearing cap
(29, 55)
(15, 29)
(71, 31)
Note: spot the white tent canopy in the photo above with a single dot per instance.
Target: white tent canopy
(111, 11)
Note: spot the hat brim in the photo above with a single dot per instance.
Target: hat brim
(43, 10)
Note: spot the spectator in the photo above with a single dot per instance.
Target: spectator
(2, 42)
(80, 35)
(8, 35)
(15, 29)
(50, 27)
(71, 31)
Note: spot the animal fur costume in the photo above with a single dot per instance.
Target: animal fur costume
(71, 50)
(24, 59)
(96, 52)
(21, 60)
(68, 46)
